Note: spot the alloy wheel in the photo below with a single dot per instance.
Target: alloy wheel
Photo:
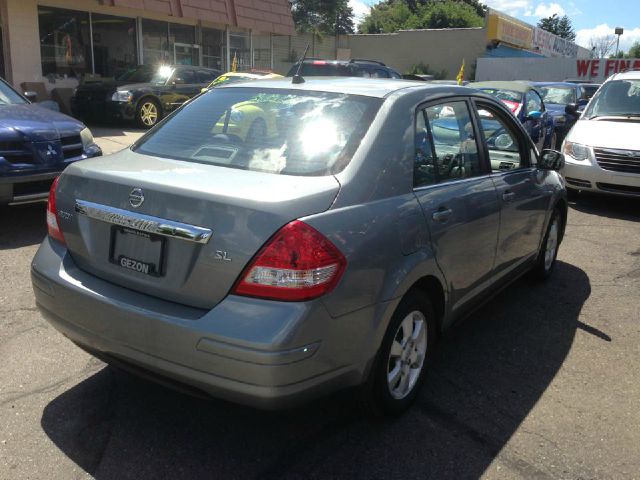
(552, 244)
(149, 114)
(407, 354)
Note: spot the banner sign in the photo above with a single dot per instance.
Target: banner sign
(508, 31)
(551, 45)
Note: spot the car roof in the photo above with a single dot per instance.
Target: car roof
(370, 87)
(516, 85)
(628, 75)
(555, 84)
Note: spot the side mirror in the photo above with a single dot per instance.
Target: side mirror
(31, 96)
(551, 160)
(535, 115)
(571, 109)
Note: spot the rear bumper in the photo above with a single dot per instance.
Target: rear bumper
(592, 178)
(260, 353)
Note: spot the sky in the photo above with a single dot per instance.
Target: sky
(590, 18)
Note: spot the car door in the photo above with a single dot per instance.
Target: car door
(520, 186)
(183, 86)
(535, 124)
(457, 196)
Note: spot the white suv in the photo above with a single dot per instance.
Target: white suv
(602, 150)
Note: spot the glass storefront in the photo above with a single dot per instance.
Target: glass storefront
(64, 42)
(114, 44)
(213, 51)
(74, 43)
(240, 50)
(155, 42)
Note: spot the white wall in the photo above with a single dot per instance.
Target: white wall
(551, 69)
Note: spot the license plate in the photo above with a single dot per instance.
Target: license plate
(137, 251)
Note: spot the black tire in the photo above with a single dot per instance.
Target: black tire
(145, 113)
(544, 263)
(377, 396)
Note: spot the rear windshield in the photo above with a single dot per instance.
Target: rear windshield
(508, 95)
(288, 132)
(558, 95)
(324, 69)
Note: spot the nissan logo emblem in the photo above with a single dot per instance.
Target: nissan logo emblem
(136, 197)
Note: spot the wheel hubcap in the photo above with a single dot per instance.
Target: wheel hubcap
(149, 114)
(552, 244)
(407, 354)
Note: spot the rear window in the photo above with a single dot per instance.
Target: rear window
(288, 132)
(325, 69)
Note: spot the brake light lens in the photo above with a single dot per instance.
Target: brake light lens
(53, 222)
(297, 263)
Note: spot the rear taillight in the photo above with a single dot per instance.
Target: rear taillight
(297, 263)
(53, 222)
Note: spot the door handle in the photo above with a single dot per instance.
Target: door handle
(508, 196)
(441, 215)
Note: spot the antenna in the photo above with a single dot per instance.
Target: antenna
(297, 78)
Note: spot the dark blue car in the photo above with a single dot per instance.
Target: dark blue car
(527, 105)
(36, 144)
(565, 102)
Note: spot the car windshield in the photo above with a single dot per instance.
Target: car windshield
(320, 68)
(279, 131)
(161, 75)
(617, 98)
(508, 95)
(142, 74)
(8, 96)
(559, 95)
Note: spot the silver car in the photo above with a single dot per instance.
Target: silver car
(272, 242)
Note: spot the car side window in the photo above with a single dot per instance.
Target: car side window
(445, 144)
(185, 76)
(502, 140)
(534, 102)
(206, 76)
(379, 73)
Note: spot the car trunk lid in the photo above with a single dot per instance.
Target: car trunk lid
(232, 213)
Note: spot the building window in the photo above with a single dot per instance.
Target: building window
(213, 51)
(240, 49)
(114, 44)
(65, 46)
(155, 42)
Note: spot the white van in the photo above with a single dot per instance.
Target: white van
(602, 150)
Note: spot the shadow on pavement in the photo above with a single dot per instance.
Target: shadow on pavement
(23, 225)
(487, 375)
(621, 208)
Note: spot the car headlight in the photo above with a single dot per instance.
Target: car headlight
(236, 116)
(87, 138)
(576, 151)
(122, 96)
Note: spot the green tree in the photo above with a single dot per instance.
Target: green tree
(322, 16)
(634, 51)
(393, 15)
(557, 25)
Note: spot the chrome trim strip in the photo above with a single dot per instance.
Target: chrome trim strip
(145, 223)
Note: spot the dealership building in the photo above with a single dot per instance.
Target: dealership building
(59, 42)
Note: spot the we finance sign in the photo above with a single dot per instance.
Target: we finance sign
(602, 68)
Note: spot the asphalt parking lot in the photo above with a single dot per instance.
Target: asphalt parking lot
(541, 383)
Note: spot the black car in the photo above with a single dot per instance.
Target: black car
(314, 67)
(145, 94)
